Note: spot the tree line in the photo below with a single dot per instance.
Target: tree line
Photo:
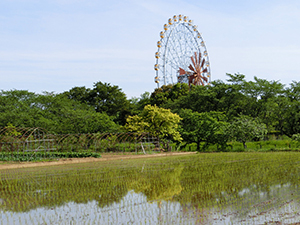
(214, 114)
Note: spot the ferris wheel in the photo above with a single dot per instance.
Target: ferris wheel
(182, 55)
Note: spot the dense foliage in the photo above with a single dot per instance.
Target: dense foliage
(269, 106)
(214, 114)
(206, 127)
(158, 122)
(103, 98)
(55, 113)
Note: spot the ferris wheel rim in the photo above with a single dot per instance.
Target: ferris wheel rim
(178, 24)
(188, 30)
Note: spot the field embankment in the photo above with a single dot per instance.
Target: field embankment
(104, 157)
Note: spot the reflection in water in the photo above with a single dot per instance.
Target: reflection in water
(132, 209)
(136, 209)
(202, 189)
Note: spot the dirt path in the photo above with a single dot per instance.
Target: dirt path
(105, 157)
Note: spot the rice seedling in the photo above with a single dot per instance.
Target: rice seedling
(204, 188)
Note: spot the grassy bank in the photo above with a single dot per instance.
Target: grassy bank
(255, 146)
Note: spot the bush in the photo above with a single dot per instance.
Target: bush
(35, 156)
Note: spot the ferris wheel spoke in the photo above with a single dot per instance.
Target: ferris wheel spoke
(174, 66)
(172, 62)
(174, 59)
(173, 46)
(181, 41)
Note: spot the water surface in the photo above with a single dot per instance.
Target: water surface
(231, 188)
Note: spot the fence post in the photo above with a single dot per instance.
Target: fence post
(143, 148)
(135, 145)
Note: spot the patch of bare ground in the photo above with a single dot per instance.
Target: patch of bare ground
(105, 157)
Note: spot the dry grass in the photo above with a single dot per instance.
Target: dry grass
(105, 157)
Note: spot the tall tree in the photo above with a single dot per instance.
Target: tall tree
(166, 94)
(108, 98)
(81, 94)
(293, 92)
(160, 95)
(104, 98)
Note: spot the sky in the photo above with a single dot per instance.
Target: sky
(55, 45)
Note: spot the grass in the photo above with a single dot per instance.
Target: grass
(257, 146)
(284, 144)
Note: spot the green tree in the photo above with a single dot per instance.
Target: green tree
(138, 104)
(263, 89)
(293, 92)
(104, 98)
(218, 96)
(16, 106)
(55, 113)
(237, 78)
(200, 99)
(159, 122)
(63, 115)
(79, 94)
(207, 127)
(245, 128)
(288, 112)
(276, 115)
(167, 94)
(160, 95)
(108, 98)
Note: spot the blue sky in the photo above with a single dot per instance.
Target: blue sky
(59, 44)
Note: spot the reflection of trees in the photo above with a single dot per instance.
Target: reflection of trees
(160, 184)
(106, 185)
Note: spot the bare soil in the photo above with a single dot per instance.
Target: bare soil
(105, 157)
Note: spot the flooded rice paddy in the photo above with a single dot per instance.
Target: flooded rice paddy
(218, 188)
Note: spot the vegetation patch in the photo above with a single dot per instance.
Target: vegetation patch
(38, 156)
